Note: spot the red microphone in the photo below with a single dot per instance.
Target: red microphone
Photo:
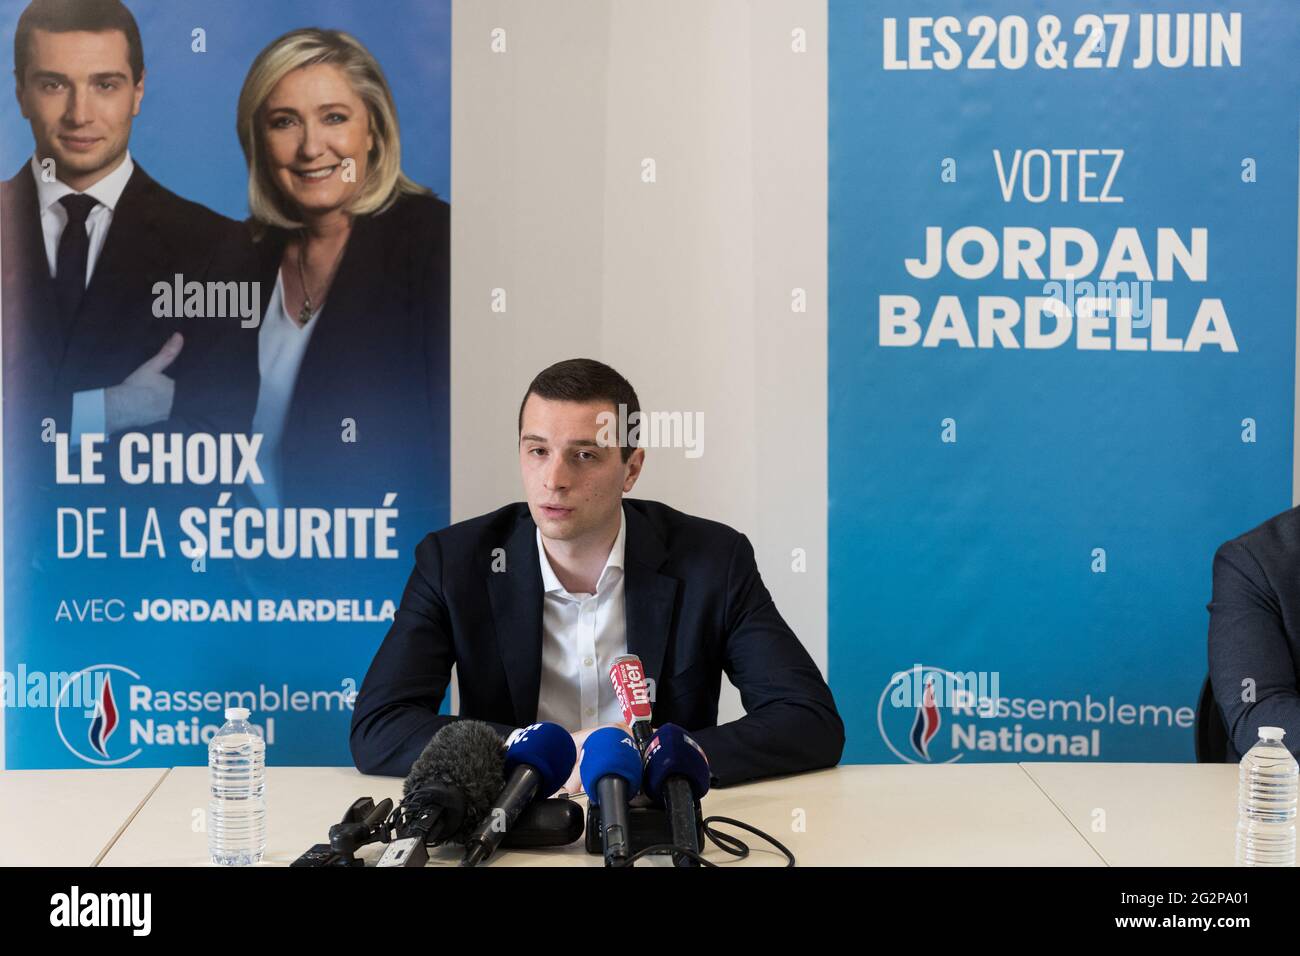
(633, 693)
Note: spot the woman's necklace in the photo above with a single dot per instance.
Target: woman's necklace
(308, 306)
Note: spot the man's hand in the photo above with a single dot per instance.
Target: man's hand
(573, 785)
(146, 394)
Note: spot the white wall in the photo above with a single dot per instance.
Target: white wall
(684, 285)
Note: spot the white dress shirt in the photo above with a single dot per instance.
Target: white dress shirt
(581, 636)
(281, 345)
(88, 413)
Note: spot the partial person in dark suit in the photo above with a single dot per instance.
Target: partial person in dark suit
(91, 328)
(1254, 646)
(88, 240)
(532, 603)
(353, 347)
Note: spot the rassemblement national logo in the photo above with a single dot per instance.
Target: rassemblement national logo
(928, 714)
(88, 731)
(106, 714)
(910, 715)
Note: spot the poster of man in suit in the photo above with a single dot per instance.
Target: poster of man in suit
(223, 331)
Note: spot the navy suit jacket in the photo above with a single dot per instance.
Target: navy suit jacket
(1255, 632)
(154, 235)
(695, 607)
(378, 356)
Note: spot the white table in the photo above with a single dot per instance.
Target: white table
(1147, 814)
(953, 814)
(68, 817)
(1030, 814)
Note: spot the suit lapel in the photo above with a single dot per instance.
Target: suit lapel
(131, 245)
(516, 597)
(27, 275)
(351, 321)
(649, 595)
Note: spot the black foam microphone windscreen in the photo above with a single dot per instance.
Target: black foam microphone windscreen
(469, 756)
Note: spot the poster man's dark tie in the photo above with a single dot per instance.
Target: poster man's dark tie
(74, 249)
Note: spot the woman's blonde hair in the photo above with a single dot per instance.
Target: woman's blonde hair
(384, 181)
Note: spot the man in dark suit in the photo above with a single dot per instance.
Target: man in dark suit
(532, 602)
(1255, 633)
(88, 239)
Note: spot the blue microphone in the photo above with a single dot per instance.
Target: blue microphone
(539, 758)
(611, 775)
(677, 775)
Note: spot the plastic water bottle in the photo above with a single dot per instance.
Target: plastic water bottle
(1266, 803)
(237, 799)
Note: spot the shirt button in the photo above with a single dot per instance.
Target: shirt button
(588, 662)
(591, 711)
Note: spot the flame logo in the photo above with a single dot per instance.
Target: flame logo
(104, 722)
(926, 724)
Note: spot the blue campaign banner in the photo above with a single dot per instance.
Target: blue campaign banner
(1062, 338)
(245, 543)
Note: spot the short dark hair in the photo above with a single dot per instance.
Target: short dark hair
(66, 16)
(584, 380)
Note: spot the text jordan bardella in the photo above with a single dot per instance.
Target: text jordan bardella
(343, 610)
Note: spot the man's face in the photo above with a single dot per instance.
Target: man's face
(574, 485)
(79, 96)
(314, 123)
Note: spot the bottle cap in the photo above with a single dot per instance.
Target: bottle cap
(1271, 733)
(236, 713)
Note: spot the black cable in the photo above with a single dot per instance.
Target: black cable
(737, 849)
(721, 840)
(715, 834)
